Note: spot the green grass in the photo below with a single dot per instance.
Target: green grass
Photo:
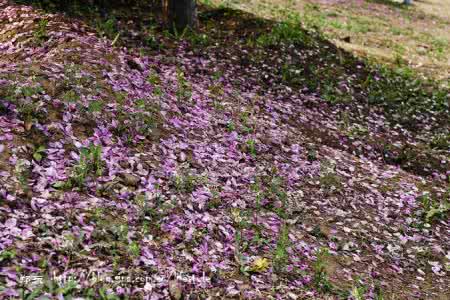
(288, 31)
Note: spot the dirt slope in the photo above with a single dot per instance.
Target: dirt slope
(199, 165)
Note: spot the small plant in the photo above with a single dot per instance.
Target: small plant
(345, 121)
(142, 201)
(95, 153)
(28, 110)
(378, 291)
(103, 294)
(120, 232)
(320, 279)
(290, 74)
(358, 292)
(230, 126)
(72, 243)
(184, 90)
(241, 245)
(95, 107)
(271, 188)
(108, 28)
(281, 257)
(145, 119)
(22, 172)
(134, 249)
(176, 34)
(24, 99)
(216, 92)
(259, 194)
(239, 257)
(217, 75)
(186, 183)
(215, 200)
(80, 171)
(245, 118)
(153, 78)
(29, 91)
(151, 41)
(441, 141)
(71, 96)
(312, 153)
(7, 255)
(277, 191)
(89, 163)
(39, 153)
(196, 38)
(361, 289)
(251, 148)
(432, 210)
(357, 130)
(41, 34)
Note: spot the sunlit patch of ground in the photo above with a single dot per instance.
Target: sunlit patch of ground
(381, 29)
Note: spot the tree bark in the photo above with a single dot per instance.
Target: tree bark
(180, 13)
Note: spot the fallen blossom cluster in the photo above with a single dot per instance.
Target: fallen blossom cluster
(211, 177)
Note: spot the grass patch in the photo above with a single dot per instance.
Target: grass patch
(289, 31)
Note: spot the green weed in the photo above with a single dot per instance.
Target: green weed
(39, 153)
(7, 255)
(245, 118)
(196, 38)
(433, 210)
(320, 279)
(280, 256)
(108, 28)
(440, 141)
(22, 172)
(89, 164)
(71, 96)
(95, 107)
(40, 34)
(186, 183)
(251, 148)
(134, 249)
(184, 90)
(154, 78)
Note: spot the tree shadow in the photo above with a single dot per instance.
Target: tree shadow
(89, 8)
(108, 18)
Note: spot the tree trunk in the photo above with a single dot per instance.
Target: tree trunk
(180, 13)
